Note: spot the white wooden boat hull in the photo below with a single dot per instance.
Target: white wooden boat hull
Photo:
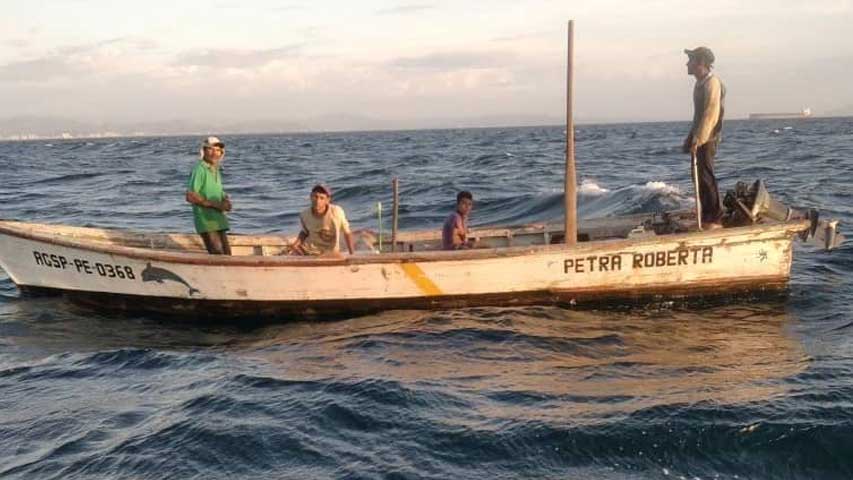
(659, 267)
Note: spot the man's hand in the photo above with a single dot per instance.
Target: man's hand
(214, 205)
(694, 147)
(196, 199)
(296, 248)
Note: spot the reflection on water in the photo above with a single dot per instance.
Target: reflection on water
(566, 364)
(597, 359)
(505, 364)
(36, 327)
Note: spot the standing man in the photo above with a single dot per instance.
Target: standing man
(454, 234)
(209, 201)
(322, 224)
(708, 107)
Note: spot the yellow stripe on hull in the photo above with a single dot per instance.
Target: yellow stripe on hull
(426, 286)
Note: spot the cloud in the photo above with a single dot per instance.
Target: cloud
(75, 61)
(288, 8)
(123, 43)
(405, 9)
(18, 43)
(454, 61)
(240, 7)
(235, 58)
(524, 36)
(39, 70)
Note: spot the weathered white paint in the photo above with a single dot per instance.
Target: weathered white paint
(758, 253)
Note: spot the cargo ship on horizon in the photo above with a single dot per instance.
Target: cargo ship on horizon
(804, 113)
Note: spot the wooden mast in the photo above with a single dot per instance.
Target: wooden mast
(570, 187)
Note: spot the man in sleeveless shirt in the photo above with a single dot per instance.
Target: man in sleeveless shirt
(708, 108)
(322, 225)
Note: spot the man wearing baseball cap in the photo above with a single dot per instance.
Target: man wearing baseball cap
(322, 224)
(709, 95)
(208, 198)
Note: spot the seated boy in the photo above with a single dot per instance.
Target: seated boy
(454, 234)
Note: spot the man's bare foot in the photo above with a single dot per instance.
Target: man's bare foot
(711, 226)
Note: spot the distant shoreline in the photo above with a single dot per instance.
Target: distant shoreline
(118, 135)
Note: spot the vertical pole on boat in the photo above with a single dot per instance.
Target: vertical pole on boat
(379, 215)
(570, 187)
(695, 162)
(395, 187)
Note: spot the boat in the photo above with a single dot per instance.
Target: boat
(804, 113)
(636, 258)
(644, 257)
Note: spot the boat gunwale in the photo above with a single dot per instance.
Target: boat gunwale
(788, 229)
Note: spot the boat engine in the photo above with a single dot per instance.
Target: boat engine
(747, 205)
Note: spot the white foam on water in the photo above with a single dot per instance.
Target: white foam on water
(589, 187)
(660, 187)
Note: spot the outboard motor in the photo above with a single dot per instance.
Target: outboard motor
(747, 205)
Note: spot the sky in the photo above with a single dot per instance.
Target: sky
(398, 62)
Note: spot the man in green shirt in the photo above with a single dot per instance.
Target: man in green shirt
(208, 198)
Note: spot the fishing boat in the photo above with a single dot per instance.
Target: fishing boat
(642, 257)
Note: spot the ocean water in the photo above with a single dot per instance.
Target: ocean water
(740, 389)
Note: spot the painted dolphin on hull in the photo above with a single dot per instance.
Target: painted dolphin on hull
(159, 275)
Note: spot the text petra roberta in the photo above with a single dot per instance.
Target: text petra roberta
(655, 259)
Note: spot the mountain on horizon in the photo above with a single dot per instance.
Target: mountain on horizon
(22, 127)
(44, 127)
